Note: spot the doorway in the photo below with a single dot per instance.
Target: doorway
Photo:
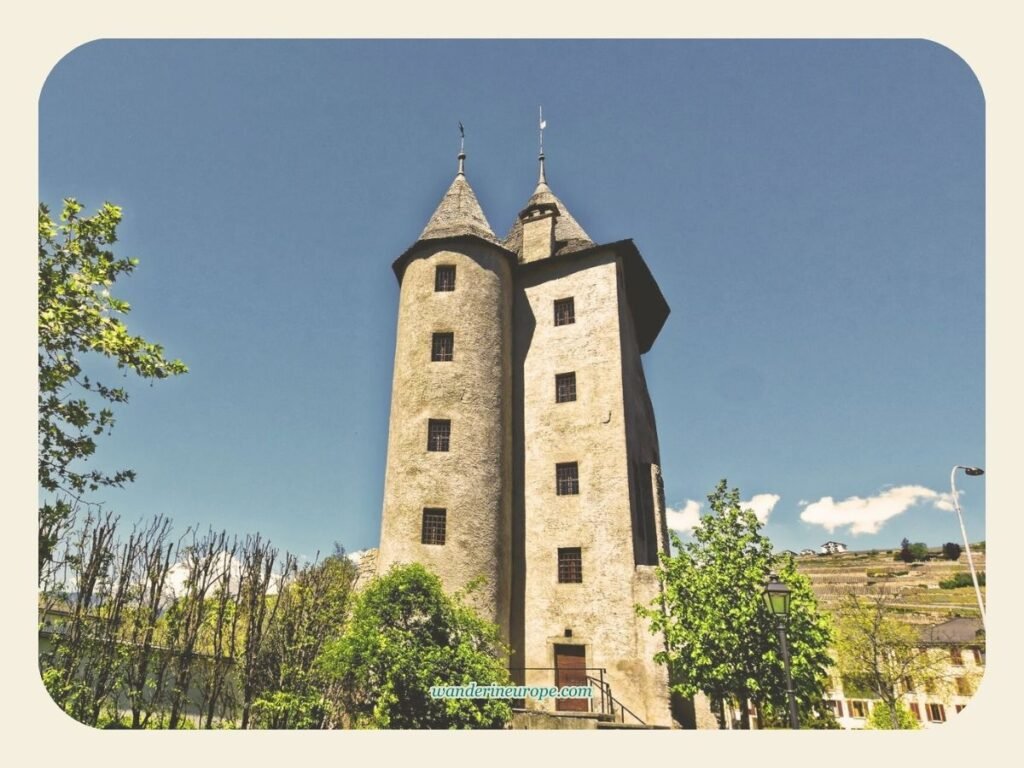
(571, 669)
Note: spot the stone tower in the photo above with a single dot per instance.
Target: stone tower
(448, 482)
(522, 443)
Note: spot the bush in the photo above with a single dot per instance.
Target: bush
(962, 580)
(405, 636)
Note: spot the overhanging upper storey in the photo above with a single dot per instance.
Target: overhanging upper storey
(646, 302)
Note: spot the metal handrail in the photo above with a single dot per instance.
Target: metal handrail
(606, 689)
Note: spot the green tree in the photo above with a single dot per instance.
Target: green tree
(919, 552)
(78, 316)
(406, 635)
(951, 550)
(883, 719)
(879, 653)
(311, 613)
(720, 637)
(904, 554)
(912, 553)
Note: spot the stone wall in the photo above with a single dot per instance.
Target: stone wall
(591, 431)
(472, 481)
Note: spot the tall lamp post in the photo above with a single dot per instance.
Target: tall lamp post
(973, 472)
(776, 597)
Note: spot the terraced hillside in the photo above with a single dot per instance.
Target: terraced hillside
(915, 584)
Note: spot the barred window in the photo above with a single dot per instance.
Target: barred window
(434, 523)
(567, 479)
(444, 278)
(439, 432)
(565, 387)
(915, 710)
(936, 713)
(565, 311)
(570, 565)
(857, 708)
(443, 347)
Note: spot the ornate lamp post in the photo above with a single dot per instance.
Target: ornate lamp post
(973, 472)
(776, 597)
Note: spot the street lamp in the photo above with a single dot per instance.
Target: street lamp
(973, 472)
(776, 597)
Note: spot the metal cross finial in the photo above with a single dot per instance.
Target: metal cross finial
(462, 150)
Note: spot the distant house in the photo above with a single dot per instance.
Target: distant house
(832, 548)
(808, 551)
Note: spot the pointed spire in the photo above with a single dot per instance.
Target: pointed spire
(568, 234)
(459, 212)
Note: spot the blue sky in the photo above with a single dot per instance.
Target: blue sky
(812, 210)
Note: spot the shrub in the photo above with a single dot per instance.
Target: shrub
(962, 580)
(405, 636)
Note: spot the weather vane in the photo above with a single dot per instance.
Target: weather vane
(462, 149)
(543, 125)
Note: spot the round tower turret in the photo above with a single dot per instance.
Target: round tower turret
(448, 483)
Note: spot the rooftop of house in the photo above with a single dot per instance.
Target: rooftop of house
(958, 631)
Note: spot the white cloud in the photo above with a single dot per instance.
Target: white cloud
(868, 515)
(357, 556)
(685, 519)
(762, 504)
(178, 575)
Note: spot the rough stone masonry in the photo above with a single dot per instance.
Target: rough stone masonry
(522, 446)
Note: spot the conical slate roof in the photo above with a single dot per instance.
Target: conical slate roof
(569, 235)
(459, 213)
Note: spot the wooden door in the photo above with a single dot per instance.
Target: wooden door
(570, 669)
